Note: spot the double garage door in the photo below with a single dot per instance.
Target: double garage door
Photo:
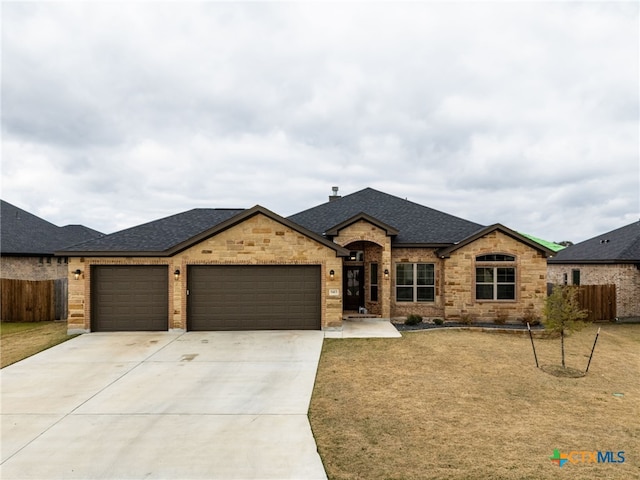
(248, 297)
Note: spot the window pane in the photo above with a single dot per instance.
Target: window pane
(426, 294)
(506, 292)
(374, 293)
(404, 274)
(425, 274)
(374, 274)
(484, 275)
(495, 257)
(404, 294)
(506, 275)
(484, 292)
(575, 277)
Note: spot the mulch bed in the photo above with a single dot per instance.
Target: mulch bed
(401, 327)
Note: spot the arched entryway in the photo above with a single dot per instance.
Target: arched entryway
(362, 277)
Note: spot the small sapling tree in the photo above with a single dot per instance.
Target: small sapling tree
(562, 313)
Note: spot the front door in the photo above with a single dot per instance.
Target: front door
(353, 288)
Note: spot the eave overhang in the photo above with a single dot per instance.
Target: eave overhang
(555, 261)
(225, 225)
(446, 252)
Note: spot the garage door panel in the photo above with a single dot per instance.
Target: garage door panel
(253, 297)
(129, 298)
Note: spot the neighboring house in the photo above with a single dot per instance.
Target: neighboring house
(610, 258)
(221, 269)
(27, 244)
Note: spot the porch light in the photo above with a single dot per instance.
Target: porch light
(386, 273)
(77, 274)
(176, 274)
(332, 274)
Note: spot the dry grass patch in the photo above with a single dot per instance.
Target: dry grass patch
(451, 404)
(21, 340)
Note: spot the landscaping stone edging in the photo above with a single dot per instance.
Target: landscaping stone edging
(538, 330)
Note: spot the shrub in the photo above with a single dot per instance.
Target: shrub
(466, 319)
(438, 321)
(530, 318)
(501, 318)
(413, 319)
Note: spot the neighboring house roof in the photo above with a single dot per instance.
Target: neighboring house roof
(415, 224)
(556, 247)
(22, 233)
(446, 252)
(617, 246)
(170, 235)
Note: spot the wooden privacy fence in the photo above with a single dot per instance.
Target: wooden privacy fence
(33, 301)
(599, 301)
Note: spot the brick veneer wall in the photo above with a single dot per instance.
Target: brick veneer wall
(459, 283)
(33, 268)
(259, 240)
(626, 278)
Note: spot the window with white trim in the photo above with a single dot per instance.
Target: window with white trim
(495, 277)
(415, 282)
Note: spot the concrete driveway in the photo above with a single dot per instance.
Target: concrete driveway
(228, 405)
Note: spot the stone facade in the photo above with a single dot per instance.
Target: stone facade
(263, 240)
(376, 245)
(459, 284)
(33, 268)
(454, 276)
(258, 240)
(626, 278)
(425, 309)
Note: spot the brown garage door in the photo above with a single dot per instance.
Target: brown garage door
(129, 298)
(254, 297)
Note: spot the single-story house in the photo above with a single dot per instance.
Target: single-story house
(610, 258)
(225, 269)
(27, 244)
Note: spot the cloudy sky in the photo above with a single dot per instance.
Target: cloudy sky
(526, 114)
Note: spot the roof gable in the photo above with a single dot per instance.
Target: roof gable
(171, 235)
(446, 252)
(415, 224)
(621, 245)
(335, 230)
(22, 233)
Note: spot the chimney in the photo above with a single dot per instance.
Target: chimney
(334, 195)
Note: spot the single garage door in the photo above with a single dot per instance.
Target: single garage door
(129, 298)
(254, 297)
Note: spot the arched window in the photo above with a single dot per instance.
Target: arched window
(495, 257)
(495, 277)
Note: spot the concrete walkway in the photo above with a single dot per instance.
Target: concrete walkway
(228, 405)
(364, 328)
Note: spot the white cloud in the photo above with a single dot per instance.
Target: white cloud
(519, 113)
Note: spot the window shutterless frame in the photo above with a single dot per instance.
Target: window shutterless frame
(415, 282)
(495, 277)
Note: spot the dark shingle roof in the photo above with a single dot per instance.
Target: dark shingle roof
(170, 235)
(416, 224)
(159, 235)
(22, 233)
(617, 246)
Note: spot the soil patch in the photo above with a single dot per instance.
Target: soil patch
(563, 372)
